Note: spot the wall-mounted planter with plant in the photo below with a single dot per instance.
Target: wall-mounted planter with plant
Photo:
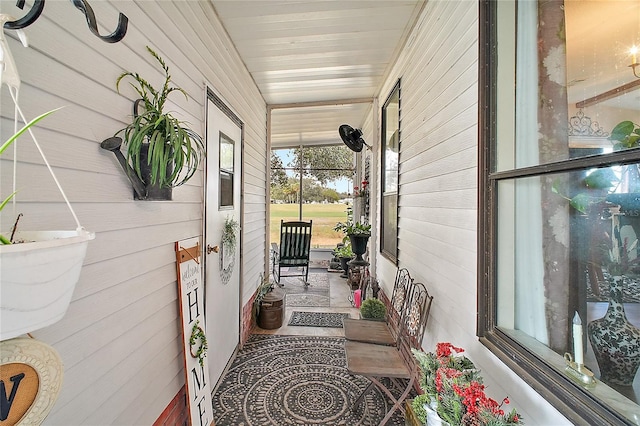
(161, 152)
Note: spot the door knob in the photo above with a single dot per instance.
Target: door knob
(214, 249)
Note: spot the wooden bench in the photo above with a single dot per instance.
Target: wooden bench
(396, 363)
(382, 333)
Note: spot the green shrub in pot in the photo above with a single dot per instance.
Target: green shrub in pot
(344, 251)
(373, 309)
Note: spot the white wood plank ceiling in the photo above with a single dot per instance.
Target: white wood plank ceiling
(318, 64)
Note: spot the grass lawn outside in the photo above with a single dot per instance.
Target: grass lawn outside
(324, 217)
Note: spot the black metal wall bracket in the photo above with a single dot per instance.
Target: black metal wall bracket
(83, 6)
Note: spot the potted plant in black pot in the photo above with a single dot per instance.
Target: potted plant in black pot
(358, 234)
(161, 150)
(345, 254)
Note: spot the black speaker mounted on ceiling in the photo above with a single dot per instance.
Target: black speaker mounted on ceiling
(352, 138)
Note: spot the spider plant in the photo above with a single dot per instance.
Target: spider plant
(167, 144)
(4, 146)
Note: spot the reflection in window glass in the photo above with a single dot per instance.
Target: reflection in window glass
(563, 264)
(390, 159)
(226, 171)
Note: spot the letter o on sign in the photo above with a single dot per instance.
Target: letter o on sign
(30, 380)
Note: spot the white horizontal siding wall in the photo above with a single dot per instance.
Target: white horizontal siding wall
(120, 340)
(438, 189)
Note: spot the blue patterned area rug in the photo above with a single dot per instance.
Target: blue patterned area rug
(317, 319)
(295, 380)
(299, 294)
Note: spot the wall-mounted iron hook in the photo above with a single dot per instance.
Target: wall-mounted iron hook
(81, 5)
(27, 19)
(115, 36)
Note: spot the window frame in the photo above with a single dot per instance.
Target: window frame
(565, 395)
(384, 195)
(225, 174)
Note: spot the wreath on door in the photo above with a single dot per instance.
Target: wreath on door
(228, 248)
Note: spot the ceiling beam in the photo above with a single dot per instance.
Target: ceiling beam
(610, 94)
(321, 103)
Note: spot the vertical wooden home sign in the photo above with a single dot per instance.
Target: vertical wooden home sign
(191, 291)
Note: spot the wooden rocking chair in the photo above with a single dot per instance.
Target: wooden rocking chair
(295, 245)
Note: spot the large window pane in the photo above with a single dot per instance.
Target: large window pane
(390, 176)
(322, 195)
(560, 201)
(531, 308)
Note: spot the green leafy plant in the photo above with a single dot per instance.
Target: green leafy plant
(373, 309)
(343, 251)
(169, 142)
(229, 232)
(353, 228)
(592, 190)
(7, 144)
(625, 135)
(265, 287)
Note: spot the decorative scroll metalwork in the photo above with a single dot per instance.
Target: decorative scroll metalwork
(82, 5)
(581, 125)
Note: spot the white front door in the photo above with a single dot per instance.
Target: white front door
(222, 268)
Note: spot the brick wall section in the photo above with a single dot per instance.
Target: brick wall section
(385, 299)
(175, 414)
(247, 321)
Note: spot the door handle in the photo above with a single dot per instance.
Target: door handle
(214, 249)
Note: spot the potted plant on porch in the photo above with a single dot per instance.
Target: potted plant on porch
(373, 309)
(345, 254)
(39, 269)
(358, 234)
(453, 392)
(163, 152)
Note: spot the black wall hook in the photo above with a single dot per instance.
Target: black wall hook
(27, 19)
(81, 5)
(115, 36)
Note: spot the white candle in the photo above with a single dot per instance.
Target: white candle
(577, 340)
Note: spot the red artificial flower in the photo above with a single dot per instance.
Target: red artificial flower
(445, 349)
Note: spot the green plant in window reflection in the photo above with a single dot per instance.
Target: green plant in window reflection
(625, 135)
(592, 190)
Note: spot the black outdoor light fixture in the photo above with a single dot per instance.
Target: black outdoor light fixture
(352, 138)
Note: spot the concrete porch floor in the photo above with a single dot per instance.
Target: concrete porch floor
(339, 302)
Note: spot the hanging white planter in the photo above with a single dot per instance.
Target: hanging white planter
(38, 274)
(38, 279)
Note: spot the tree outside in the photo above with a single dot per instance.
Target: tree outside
(321, 167)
